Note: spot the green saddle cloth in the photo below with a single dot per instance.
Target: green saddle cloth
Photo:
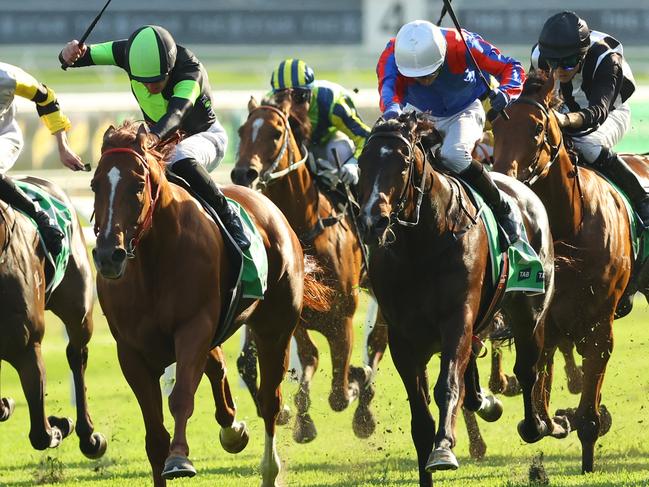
(255, 261)
(61, 215)
(525, 268)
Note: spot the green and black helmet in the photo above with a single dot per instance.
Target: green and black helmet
(151, 54)
(563, 35)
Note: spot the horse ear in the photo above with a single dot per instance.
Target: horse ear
(141, 137)
(252, 104)
(109, 133)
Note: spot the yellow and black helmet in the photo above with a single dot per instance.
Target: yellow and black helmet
(292, 74)
(151, 54)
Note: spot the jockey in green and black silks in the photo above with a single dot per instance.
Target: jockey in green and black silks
(172, 89)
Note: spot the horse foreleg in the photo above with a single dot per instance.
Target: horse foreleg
(499, 382)
(422, 425)
(574, 372)
(43, 432)
(247, 366)
(7, 405)
(273, 363)
(234, 434)
(341, 338)
(304, 430)
(145, 384)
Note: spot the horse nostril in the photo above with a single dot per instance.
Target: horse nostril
(252, 174)
(119, 255)
(381, 225)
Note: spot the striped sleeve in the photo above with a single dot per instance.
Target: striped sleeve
(508, 71)
(346, 119)
(46, 104)
(388, 74)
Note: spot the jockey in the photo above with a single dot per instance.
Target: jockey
(14, 81)
(595, 82)
(428, 69)
(171, 86)
(335, 123)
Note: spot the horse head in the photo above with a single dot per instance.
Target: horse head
(268, 147)
(527, 144)
(392, 167)
(126, 185)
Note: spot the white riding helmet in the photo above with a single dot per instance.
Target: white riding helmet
(419, 49)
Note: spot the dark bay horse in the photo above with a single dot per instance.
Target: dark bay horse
(271, 151)
(162, 272)
(592, 243)
(428, 267)
(22, 323)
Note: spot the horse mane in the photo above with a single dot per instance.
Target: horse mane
(413, 126)
(125, 135)
(300, 123)
(536, 80)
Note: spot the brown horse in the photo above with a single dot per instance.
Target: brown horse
(22, 324)
(164, 303)
(592, 246)
(428, 267)
(272, 151)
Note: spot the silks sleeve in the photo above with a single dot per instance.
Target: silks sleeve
(111, 53)
(46, 104)
(346, 119)
(185, 93)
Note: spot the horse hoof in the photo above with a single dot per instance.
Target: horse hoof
(56, 437)
(491, 409)
(176, 467)
(64, 425)
(561, 427)
(235, 438)
(532, 435)
(364, 423)
(513, 387)
(478, 449)
(605, 420)
(304, 430)
(624, 306)
(96, 446)
(284, 416)
(441, 459)
(8, 408)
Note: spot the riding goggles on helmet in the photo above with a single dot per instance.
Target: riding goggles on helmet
(568, 63)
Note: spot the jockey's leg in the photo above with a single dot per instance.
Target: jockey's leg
(194, 157)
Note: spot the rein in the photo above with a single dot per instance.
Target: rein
(271, 174)
(147, 221)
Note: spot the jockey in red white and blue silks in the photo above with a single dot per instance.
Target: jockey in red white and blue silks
(428, 69)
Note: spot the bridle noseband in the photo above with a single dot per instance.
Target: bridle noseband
(147, 221)
(536, 170)
(270, 174)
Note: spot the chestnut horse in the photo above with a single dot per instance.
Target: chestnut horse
(593, 248)
(22, 323)
(272, 151)
(429, 263)
(162, 273)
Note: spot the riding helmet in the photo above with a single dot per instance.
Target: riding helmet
(151, 54)
(292, 74)
(564, 35)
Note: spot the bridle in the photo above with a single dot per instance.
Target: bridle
(410, 166)
(147, 221)
(271, 174)
(536, 170)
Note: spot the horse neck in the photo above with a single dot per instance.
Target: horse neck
(560, 192)
(295, 194)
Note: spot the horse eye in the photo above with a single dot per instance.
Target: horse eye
(539, 129)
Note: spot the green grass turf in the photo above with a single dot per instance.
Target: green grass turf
(336, 458)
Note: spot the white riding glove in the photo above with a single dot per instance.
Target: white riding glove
(349, 172)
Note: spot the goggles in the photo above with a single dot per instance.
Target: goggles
(567, 63)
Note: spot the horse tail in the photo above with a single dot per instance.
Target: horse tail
(317, 295)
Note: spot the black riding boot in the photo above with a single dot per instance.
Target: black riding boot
(479, 178)
(201, 182)
(17, 199)
(614, 167)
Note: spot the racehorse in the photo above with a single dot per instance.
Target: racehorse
(272, 152)
(429, 263)
(592, 244)
(162, 274)
(23, 302)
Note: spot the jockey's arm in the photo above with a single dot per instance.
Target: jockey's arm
(390, 89)
(185, 93)
(508, 71)
(346, 119)
(112, 53)
(606, 86)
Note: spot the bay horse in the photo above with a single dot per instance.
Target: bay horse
(23, 302)
(592, 243)
(162, 272)
(428, 267)
(272, 152)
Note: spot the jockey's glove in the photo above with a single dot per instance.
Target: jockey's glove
(349, 172)
(499, 100)
(393, 111)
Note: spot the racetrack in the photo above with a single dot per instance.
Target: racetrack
(336, 458)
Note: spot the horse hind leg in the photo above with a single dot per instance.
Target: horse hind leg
(44, 432)
(247, 366)
(304, 429)
(234, 434)
(574, 372)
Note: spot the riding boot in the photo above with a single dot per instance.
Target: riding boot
(201, 182)
(17, 199)
(617, 169)
(480, 179)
